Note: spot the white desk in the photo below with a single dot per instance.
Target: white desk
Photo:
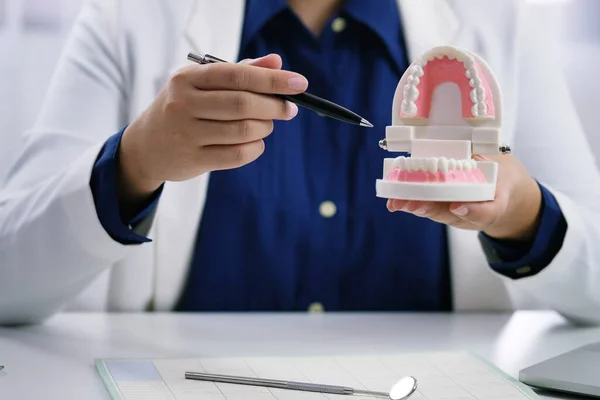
(55, 360)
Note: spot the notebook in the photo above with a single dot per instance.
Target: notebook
(447, 376)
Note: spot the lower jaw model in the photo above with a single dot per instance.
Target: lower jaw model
(434, 169)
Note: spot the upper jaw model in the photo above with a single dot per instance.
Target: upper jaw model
(447, 107)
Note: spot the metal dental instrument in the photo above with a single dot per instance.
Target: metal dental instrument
(402, 390)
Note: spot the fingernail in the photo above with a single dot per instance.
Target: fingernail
(461, 211)
(420, 211)
(292, 110)
(298, 83)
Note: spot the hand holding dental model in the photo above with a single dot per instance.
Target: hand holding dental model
(447, 113)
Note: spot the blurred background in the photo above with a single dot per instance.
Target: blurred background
(32, 33)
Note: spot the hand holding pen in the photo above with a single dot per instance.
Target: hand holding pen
(206, 118)
(324, 107)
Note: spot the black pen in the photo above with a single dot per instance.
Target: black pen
(307, 100)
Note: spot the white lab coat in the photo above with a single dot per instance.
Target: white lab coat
(54, 253)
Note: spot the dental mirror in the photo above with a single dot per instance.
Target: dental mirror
(404, 388)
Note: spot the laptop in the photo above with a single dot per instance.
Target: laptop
(576, 372)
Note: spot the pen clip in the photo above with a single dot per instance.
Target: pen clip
(204, 59)
(213, 59)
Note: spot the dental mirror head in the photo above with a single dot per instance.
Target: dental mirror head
(404, 388)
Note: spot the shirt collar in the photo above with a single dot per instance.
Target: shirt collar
(258, 13)
(384, 20)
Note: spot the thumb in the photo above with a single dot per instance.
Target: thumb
(271, 61)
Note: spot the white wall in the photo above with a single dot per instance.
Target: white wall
(32, 33)
(582, 61)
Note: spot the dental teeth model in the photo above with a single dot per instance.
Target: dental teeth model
(447, 107)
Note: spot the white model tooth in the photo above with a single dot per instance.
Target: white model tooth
(411, 93)
(408, 107)
(480, 94)
(443, 164)
(413, 80)
(451, 164)
(426, 164)
(433, 164)
(474, 95)
(475, 82)
(467, 165)
(460, 165)
(430, 55)
(474, 111)
(439, 56)
(468, 74)
(472, 73)
(482, 109)
(469, 62)
(398, 162)
(414, 164)
(417, 71)
(418, 164)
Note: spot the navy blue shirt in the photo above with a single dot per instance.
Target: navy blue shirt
(302, 223)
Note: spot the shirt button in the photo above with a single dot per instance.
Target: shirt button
(316, 308)
(327, 209)
(338, 24)
(524, 270)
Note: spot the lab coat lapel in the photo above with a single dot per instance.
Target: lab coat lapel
(213, 27)
(427, 23)
(430, 23)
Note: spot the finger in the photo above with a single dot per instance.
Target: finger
(221, 157)
(394, 205)
(243, 77)
(271, 61)
(481, 214)
(435, 211)
(232, 132)
(227, 105)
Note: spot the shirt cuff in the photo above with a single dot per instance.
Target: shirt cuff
(103, 184)
(517, 259)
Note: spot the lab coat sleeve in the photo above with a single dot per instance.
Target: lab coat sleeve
(551, 142)
(518, 259)
(52, 245)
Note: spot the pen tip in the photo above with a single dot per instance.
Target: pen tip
(364, 122)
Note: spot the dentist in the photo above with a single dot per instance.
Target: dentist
(150, 184)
